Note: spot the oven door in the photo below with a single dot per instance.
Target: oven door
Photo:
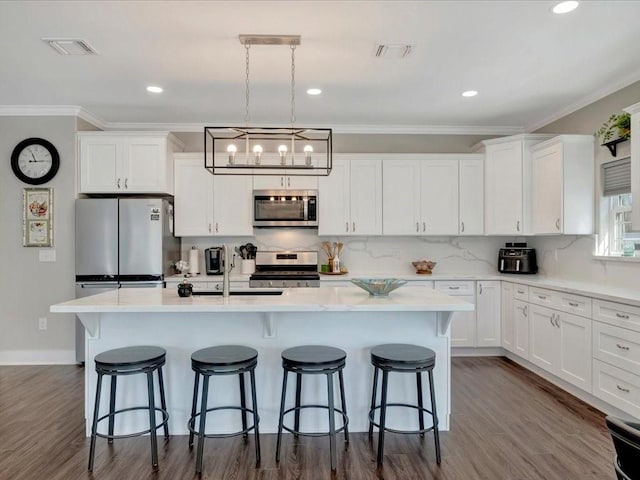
(285, 208)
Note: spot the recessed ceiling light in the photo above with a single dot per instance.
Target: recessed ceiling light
(154, 89)
(314, 91)
(469, 93)
(565, 7)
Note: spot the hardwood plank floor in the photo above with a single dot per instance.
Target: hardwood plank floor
(507, 424)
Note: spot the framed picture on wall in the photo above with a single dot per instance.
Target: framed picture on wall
(37, 217)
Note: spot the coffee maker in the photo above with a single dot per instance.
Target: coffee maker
(214, 260)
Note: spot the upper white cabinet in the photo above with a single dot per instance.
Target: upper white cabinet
(210, 205)
(562, 190)
(507, 172)
(421, 196)
(281, 180)
(634, 110)
(471, 195)
(350, 198)
(126, 162)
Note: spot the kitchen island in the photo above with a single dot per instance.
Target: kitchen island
(346, 318)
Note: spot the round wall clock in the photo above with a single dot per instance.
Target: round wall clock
(35, 161)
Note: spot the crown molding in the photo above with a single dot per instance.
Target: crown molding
(51, 111)
(635, 108)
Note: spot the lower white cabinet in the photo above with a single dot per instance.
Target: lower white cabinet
(507, 317)
(616, 386)
(520, 315)
(488, 314)
(544, 338)
(463, 324)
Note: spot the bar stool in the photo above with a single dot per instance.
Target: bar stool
(402, 358)
(223, 360)
(130, 361)
(314, 360)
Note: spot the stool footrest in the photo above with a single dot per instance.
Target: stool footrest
(165, 420)
(256, 420)
(345, 421)
(403, 432)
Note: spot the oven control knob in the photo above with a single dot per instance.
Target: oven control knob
(306, 284)
(299, 284)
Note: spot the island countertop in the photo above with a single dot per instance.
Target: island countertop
(323, 299)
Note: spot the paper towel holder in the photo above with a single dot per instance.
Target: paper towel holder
(194, 260)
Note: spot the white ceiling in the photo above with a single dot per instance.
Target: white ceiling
(529, 65)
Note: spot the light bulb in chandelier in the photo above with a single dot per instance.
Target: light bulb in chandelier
(257, 153)
(231, 150)
(282, 150)
(308, 150)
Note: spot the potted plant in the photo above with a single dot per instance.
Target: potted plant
(617, 127)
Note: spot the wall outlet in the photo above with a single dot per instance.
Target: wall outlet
(42, 323)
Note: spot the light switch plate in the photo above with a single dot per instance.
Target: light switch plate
(48, 255)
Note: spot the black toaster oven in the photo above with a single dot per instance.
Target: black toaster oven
(517, 258)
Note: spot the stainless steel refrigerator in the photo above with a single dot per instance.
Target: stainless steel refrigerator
(122, 243)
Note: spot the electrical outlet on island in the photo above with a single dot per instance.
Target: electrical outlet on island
(42, 323)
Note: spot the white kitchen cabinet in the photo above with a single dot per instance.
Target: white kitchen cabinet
(210, 205)
(471, 195)
(126, 162)
(507, 316)
(488, 318)
(281, 180)
(520, 317)
(350, 198)
(463, 324)
(507, 174)
(562, 176)
(420, 196)
(544, 338)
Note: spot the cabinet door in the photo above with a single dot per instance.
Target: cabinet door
(521, 328)
(575, 349)
(100, 165)
(546, 190)
(463, 326)
(301, 182)
(503, 189)
(488, 317)
(193, 202)
(232, 205)
(544, 338)
(471, 196)
(281, 180)
(507, 316)
(366, 197)
(144, 165)
(438, 197)
(401, 193)
(334, 207)
(269, 182)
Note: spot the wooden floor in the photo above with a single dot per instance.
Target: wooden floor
(507, 423)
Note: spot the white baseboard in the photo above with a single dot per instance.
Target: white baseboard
(478, 352)
(37, 357)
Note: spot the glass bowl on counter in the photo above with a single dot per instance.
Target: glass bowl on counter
(378, 287)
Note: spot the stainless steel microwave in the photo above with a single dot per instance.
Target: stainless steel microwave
(285, 208)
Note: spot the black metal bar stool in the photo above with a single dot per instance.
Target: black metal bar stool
(314, 360)
(404, 358)
(223, 360)
(130, 361)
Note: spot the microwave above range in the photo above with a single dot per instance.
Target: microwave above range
(285, 208)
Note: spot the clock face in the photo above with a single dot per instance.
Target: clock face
(35, 161)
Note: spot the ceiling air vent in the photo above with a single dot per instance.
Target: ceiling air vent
(393, 51)
(70, 46)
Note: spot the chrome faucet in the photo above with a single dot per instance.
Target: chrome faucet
(228, 266)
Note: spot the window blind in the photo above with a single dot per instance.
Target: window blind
(616, 177)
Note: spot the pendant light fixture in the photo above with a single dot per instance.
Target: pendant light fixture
(251, 150)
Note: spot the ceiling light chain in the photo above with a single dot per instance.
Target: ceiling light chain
(246, 106)
(293, 85)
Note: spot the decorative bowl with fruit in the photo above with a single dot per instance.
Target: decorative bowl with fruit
(424, 267)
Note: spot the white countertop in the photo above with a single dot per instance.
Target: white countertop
(324, 299)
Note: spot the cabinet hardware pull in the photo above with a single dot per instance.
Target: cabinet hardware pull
(558, 224)
(346, 226)
(542, 297)
(525, 310)
(282, 181)
(462, 227)
(480, 286)
(521, 292)
(288, 181)
(620, 315)
(625, 390)
(451, 287)
(209, 228)
(217, 286)
(558, 320)
(551, 318)
(424, 226)
(126, 181)
(354, 227)
(118, 183)
(573, 304)
(622, 347)
(518, 226)
(216, 227)
(417, 226)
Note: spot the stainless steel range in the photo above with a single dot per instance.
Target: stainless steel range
(286, 269)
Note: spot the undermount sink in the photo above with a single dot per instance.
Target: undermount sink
(251, 292)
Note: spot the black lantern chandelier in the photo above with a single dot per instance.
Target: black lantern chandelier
(268, 150)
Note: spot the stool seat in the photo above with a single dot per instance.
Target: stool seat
(130, 357)
(223, 356)
(309, 356)
(402, 356)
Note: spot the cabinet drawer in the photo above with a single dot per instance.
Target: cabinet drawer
(521, 292)
(456, 288)
(575, 304)
(618, 314)
(616, 346)
(617, 387)
(542, 296)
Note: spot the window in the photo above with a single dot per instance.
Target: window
(620, 218)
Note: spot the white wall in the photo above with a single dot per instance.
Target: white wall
(27, 286)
